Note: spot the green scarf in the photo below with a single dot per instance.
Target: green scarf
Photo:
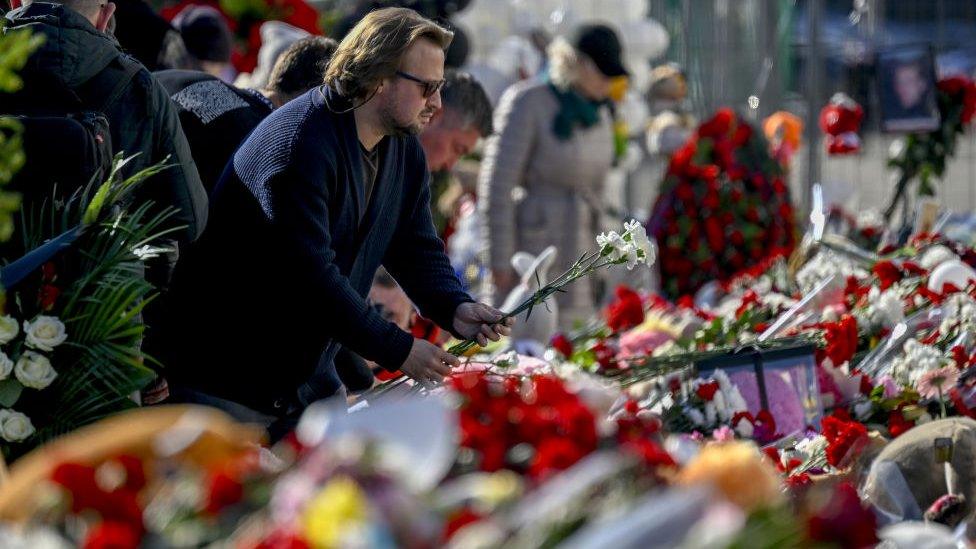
(574, 111)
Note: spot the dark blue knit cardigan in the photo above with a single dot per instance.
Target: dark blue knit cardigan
(278, 280)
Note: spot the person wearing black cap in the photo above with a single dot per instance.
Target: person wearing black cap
(542, 179)
(208, 41)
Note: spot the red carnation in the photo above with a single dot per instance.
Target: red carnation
(562, 344)
(887, 273)
(605, 356)
(845, 440)
(706, 391)
(554, 454)
(626, 312)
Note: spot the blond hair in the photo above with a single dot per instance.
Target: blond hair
(374, 49)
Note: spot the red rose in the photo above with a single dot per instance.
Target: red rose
(626, 312)
(223, 491)
(112, 535)
(706, 391)
(562, 344)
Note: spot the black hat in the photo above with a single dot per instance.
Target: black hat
(601, 44)
(205, 33)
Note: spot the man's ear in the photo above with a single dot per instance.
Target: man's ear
(104, 16)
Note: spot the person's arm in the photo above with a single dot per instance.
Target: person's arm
(298, 211)
(178, 186)
(417, 261)
(506, 157)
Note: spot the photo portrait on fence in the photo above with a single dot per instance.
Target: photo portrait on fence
(907, 89)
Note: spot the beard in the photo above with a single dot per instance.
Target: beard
(400, 128)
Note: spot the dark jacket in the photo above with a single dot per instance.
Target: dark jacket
(216, 117)
(142, 121)
(281, 275)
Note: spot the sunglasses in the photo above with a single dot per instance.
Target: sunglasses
(430, 86)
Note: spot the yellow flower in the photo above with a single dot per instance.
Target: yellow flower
(338, 508)
(738, 471)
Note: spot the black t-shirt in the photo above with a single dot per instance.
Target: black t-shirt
(216, 117)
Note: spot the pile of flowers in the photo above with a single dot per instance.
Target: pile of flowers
(533, 425)
(723, 206)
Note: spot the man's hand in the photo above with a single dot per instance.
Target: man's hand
(428, 363)
(480, 322)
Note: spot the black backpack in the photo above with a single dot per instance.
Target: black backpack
(67, 144)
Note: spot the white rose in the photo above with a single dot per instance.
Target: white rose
(34, 370)
(15, 426)
(6, 366)
(9, 329)
(45, 333)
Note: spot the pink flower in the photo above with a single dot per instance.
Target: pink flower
(935, 383)
(723, 434)
(890, 387)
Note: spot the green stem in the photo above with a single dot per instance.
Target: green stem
(942, 403)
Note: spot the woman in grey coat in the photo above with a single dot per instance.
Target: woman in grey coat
(541, 181)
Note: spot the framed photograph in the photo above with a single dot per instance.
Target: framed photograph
(907, 90)
(782, 380)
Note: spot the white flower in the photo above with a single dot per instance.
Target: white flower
(917, 359)
(696, 417)
(9, 328)
(884, 308)
(959, 313)
(45, 333)
(610, 244)
(15, 426)
(638, 235)
(869, 219)
(710, 413)
(935, 256)
(810, 447)
(721, 406)
(6, 366)
(825, 264)
(34, 370)
(744, 428)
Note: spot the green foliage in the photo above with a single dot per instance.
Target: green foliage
(15, 48)
(102, 298)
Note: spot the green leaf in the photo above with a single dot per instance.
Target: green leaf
(10, 390)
